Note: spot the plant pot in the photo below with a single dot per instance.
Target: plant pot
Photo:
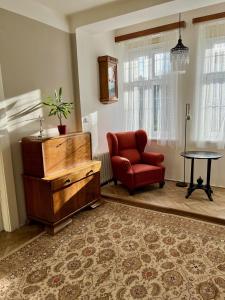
(62, 129)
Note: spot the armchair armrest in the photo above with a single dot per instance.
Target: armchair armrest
(152, 158)
(121, 163)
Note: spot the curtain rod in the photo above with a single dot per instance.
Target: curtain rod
(208, 18)
(150, 31)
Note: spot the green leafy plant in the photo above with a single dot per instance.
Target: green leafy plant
(57, 106)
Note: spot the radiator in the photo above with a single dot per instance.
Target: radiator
(106, 169)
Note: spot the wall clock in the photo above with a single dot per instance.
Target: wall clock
(108, 79)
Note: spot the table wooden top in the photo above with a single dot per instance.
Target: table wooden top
(201, 154)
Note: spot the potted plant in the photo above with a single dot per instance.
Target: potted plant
(58, 108)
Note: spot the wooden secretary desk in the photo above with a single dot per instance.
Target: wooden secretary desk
(60, 177)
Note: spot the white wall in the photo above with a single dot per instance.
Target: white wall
(110, 117)
(100, 118)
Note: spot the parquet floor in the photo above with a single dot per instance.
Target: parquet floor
(172, 199)
(9, 241)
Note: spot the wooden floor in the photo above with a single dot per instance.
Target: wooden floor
(10, 241)
(172, 199)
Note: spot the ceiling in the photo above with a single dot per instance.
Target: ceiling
(67, 7)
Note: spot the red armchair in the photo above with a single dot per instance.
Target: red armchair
(130, 164)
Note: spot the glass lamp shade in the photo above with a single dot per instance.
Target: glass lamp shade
(179, 57)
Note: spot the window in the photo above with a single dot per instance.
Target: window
(210, 96)
(149, 88)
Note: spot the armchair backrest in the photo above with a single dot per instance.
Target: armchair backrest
(128, 144)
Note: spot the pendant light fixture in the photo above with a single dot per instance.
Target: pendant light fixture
(179, 55)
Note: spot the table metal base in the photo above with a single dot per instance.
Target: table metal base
(200, 186)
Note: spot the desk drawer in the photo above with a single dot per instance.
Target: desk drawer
(69, 179)
(75, 196)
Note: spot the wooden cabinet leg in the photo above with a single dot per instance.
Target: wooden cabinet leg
(56, 228)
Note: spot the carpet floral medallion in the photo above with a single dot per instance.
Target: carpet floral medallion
(120, 252)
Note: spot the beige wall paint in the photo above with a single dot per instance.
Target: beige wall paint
(37, 11)
(1, 223)
(35, 59)
(33, 55)
(76, 87)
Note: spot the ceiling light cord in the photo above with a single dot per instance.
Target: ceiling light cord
(179, 26)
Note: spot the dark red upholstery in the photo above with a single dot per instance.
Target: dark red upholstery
(131, 165)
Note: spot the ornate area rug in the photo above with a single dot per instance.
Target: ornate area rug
(120, 252)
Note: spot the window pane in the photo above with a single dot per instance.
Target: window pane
(143, 66)
(156, 99)
(215, 58)
(131, 107)
(162, 64)
(213, 109)
(126, 71)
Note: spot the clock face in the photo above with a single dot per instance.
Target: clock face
(112, 81)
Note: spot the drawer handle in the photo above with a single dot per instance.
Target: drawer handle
(68, 181)
(89, 173)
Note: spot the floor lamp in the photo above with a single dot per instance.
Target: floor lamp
(187, 118)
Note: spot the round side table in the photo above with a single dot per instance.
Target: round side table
(201, 155)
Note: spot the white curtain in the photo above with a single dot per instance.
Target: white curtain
(209, 117)
(149, 87)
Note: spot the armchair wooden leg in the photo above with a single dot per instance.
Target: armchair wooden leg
(131, 192)
(115, 181)
(161, 184)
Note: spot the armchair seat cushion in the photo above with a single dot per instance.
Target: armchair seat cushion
(146, 174)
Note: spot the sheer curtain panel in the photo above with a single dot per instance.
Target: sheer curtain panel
(209, 118)
(149, 87)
